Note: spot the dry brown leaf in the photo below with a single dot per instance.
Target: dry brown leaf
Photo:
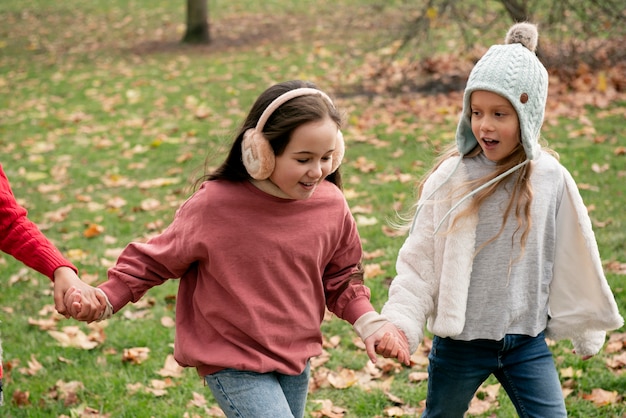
(617, 362)
(615, 267)
(21, 398)
(171, 368)
(364, 165)
(148, 205)
(198, 400)
(66, 392)
(342, 379)
(418, 376)
(320, 360)
(116, 202)
(372, 270)
(168, 322)
(485, 398)
(133, 388)
(602, 397)
(84, 411)
(135, 355)
(93, 230)
(394, 411)
(373, 254)
(362, 221)
(331, 342)
(33, 368)
(328, 410)
(160, 182)
(43, 324)
(73, 336)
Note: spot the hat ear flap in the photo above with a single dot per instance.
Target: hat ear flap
(257, 154)
(340, 149)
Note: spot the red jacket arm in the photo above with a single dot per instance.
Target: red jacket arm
(20, 237)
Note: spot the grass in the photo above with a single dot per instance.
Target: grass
(98, 98)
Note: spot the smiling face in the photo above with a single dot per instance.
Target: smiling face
(494, 124)
(305, 161)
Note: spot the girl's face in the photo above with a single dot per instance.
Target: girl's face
(494, 124)
(305, 162)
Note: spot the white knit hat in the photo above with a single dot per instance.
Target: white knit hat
(514, 72)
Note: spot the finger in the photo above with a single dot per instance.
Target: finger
(370, 348)
(59, 303)
(406, 357)
(382, 347)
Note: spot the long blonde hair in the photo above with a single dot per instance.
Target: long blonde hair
(519, 203)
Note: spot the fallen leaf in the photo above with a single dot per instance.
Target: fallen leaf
(171, 368)
(135, 355)
(601, 397)
(73, 336)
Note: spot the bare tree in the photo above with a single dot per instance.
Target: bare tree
(197, 31)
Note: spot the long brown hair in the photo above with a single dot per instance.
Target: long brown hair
(277, 129)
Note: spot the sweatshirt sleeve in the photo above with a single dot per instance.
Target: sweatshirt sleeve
(142, 266)
(347, 296)
(21, 238)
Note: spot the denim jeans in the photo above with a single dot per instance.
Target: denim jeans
(245, 394)
(522, 364)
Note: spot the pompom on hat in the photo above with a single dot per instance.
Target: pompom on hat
(514, 72)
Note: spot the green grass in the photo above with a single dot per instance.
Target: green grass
(96, 98)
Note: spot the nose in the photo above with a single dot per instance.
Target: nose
(486, 124)
(316, 169)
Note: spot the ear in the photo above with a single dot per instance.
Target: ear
(340, 149)
(257, 154)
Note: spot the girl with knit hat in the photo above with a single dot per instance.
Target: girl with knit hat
(261, 249)
(501, 252)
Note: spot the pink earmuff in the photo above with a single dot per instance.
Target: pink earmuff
(256, 151)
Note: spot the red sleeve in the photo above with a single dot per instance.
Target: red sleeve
(21, 238)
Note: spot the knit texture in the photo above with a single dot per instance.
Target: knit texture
(514, 72)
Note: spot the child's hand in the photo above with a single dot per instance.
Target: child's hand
(75, 298)
(77, 309)
(389, 342)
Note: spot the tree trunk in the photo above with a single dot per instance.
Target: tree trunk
(517, 10)
(197, 31)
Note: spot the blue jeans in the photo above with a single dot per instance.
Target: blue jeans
(522, 364)
(245, 394)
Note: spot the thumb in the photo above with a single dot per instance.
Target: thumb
(59, 303)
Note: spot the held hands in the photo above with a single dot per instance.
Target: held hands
(389, 342)
(75, 298)
(76, 305)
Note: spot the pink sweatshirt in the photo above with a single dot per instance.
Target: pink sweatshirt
(256, 273)
(22, 239)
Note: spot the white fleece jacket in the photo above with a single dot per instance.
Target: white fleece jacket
(433, 271)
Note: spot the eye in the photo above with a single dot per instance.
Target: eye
(327, 158)
(302, 160)
(475, 113)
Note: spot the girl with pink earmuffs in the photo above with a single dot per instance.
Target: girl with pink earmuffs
(261, 249)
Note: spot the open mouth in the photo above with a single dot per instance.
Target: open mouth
(489, 143)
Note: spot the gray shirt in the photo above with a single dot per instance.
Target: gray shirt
(508, 293)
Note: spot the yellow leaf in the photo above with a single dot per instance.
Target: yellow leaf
(431, 13)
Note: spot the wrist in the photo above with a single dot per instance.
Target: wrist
(368, 324)
(108, 310)
(63, 272)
